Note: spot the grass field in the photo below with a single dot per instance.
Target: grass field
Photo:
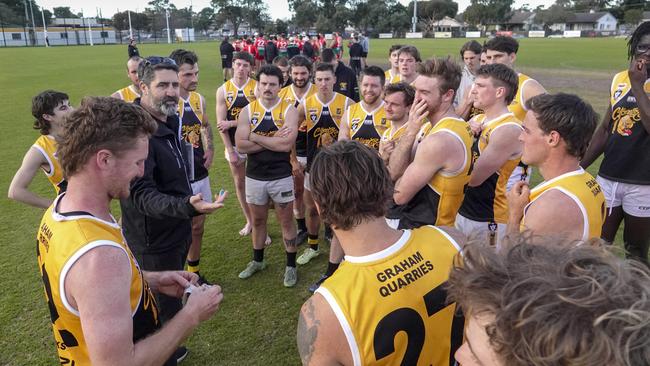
(256, 323)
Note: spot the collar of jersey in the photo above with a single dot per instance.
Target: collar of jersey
(384, 253)
(76, 215)
(561, 176)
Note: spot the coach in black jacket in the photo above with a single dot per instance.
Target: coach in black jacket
(156, 218)
(346, 80)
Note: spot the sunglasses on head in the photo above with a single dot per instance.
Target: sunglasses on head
(156, 60)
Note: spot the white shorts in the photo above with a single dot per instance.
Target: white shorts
(302, 160)
(307, 184)
(240, 155)
(518, 174)
(203, 186)
(258, 192)
(634, 198)
(485, 232)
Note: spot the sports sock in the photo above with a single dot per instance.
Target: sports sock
(302, 225)
(291, 259)
(312, 240)
(193, 266)
(331, 268)
(258, 255)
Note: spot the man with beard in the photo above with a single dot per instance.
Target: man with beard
(157, 216)
(266, 131)
(131, 92)
(408, 58)
(101, 303)
(364, 122)
(432, 187)
(322, 113)
(296, 93)
(196, 131)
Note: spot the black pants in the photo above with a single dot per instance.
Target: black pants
(171, 260)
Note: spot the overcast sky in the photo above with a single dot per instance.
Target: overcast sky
(277, 8)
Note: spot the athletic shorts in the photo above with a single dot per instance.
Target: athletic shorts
(634, 198)
(519, 174)
(258, 192)
(364, 54)
(302, 160)
(203, 186)
(491, 233)
(226, 63)
(307, 184)
(240, 155)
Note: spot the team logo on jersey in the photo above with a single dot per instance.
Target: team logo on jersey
(383, 121)
(631, 99)
(312, 116)
(619, 90)
(343, 85)
(367, 121)
(230, 97)
(338, 111)
(355, 124)
(255, 120)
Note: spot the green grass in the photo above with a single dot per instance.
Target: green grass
(256, 323)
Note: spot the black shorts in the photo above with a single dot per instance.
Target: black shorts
(364, 54)
(226, 63)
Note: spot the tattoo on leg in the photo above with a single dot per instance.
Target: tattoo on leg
(307, 332)
(290, 243)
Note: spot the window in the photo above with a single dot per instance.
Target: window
(104, 34)
(16, 36)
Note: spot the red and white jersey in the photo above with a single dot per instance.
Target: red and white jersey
(282, 44)
(260, 42)
(250, 48)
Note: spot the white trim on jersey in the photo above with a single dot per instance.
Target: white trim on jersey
(384, 253)
(347, 329)
(49, 161)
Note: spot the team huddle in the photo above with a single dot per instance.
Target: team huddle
(439, 251)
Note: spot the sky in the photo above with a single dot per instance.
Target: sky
(277, 8)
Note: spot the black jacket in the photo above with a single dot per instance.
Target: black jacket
(346, 82)
(157, 216)
(270, 51)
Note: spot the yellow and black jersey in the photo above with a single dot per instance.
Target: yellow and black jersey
(236, 99)
(266, 164)
(473, 111)
(391, 77)
(437, 203)
(517, 106)
(46, 145)
(393, 134)
(392, 304)
(288, 93)
(367, 127)
(583, 189)
(627, 150)
(322, 122)
(190, 112)
(487, 202)
(62, 239)
(129, 93)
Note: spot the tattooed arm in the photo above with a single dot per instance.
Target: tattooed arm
(321, 340)
(206, 134)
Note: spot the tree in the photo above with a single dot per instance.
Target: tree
(138, 20)
(586, 5)
(281, 27)
(482, 11)
(556, 13)
(63, 12)
(633, 16)
(434, 9)
(204, 19)
(226, 11)
(305, 13)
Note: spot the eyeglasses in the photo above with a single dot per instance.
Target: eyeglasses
(156, 60)
(642, 48)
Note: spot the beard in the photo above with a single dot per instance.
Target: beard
(300, 83)
(168, 106)
(370, 98)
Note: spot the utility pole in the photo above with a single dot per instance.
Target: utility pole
(31, 11)
(169, 38)
(130, 29)
(414, 22)
(47, 44)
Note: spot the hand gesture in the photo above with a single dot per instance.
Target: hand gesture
(417, 115)
(205, 207)
(518, 198)
(174, 283)
(638, 72)
(225, 125)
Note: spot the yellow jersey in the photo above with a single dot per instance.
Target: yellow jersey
(487, 202)
(583, 189)
(392, 305)
(236, 99)
(392, 134)
(322, 122)
(267, 165)
(129, 93)
(517, 106)
(392, 78)
(46, 144)
(367, 127)
(288, 93)
(62, 239)
(437, 203)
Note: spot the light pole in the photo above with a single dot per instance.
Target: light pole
(169, 38)
(47, 44)
(415, 16)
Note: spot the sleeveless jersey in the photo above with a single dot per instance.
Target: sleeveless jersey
(47, 146)
(391, 135)
(391, 78)
(129, 94)
(266, 164)
(236, 99)
(322, 122)
(584, 191)
(437, 203)
(473, 111)
(260, 43)
(392, 304)
(517, 106)
(190, 113)
(627, 150)
(62, 239)
(289, 95)
(367, 127)
(487, 202)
